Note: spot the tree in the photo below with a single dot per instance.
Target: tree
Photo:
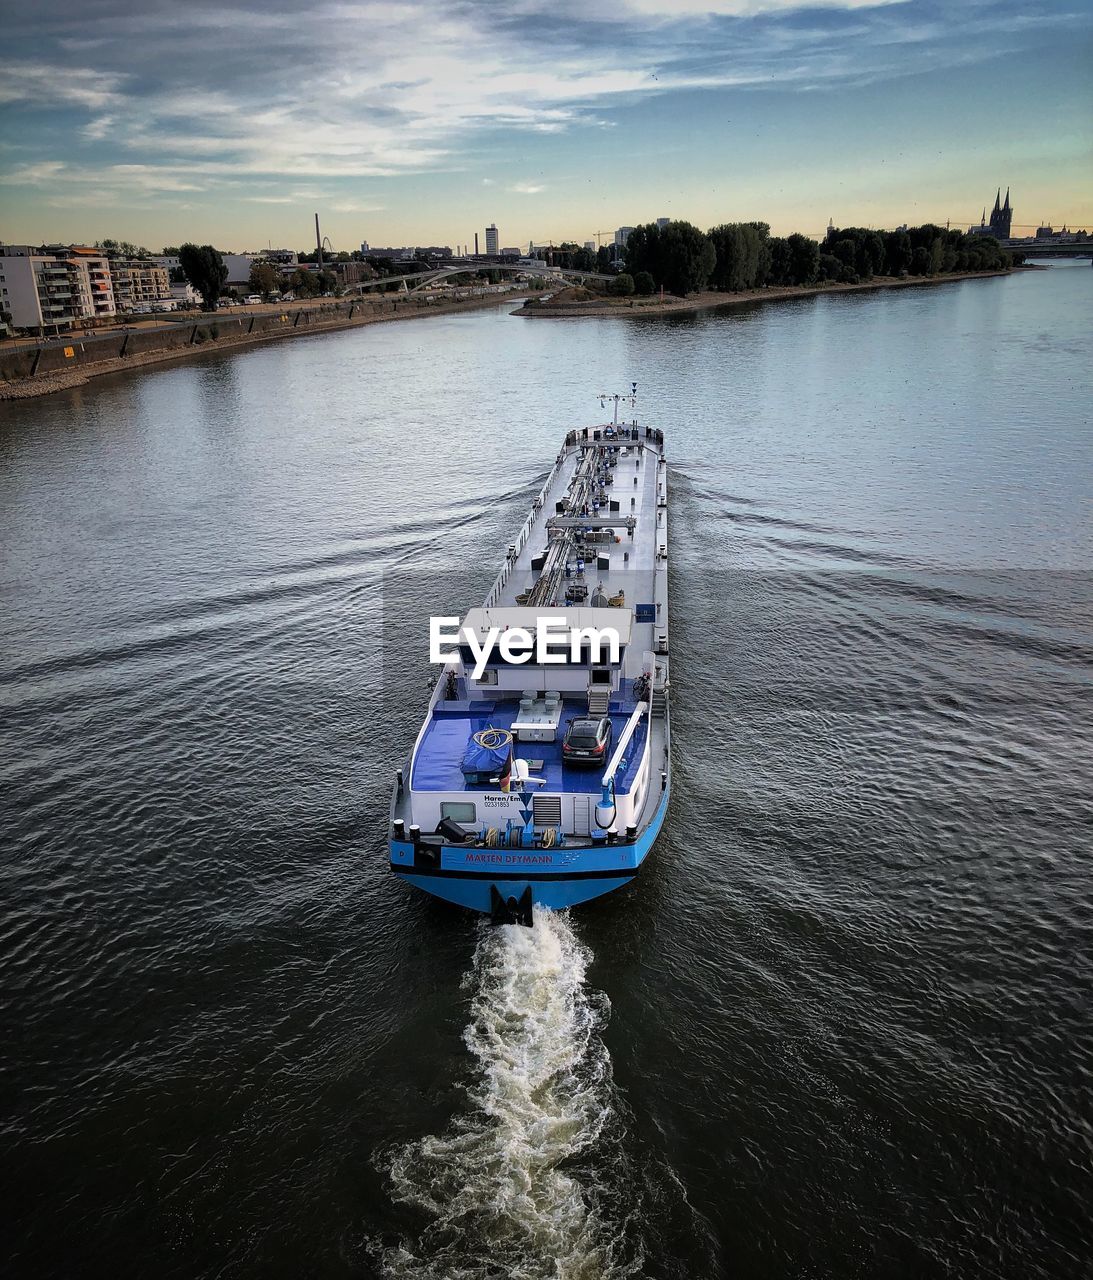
(778, 269)
(689, 258)
(804, 259)
(861, 250)
(741, 258)
(835, 269)
(122, 249)
(205, 270)
(644, 283)
(304, 284)
(677, 255)
(265, 279)
(623, 285)
(897, 253)
(605, 259)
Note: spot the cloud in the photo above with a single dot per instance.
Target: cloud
(33, 175)
(151, 177)
(141, 178)
(208, 94)
(674, 9)
(43, 83)
(98, 128)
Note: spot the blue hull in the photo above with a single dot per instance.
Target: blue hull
(562, 877)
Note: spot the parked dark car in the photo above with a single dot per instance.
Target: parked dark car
(587, 742)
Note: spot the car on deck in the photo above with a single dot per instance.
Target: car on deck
(587, 741)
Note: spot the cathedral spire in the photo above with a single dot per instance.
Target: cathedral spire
(1006, 206)
(998, 202)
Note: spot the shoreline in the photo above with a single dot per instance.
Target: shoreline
(710, 300)
(27, 388)
(46, 383)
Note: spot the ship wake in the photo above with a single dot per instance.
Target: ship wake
(528, 1182)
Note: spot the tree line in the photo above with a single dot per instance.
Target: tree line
(681, 259)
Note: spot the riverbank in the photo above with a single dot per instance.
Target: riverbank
(41, 370)
(708, 299)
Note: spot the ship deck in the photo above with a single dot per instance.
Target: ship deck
(633, 558)
(436, 765)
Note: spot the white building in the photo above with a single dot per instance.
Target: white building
(239, 265)
(621, 236)
(55, 289)
(492, 240)
(663, 222)
(184, 294)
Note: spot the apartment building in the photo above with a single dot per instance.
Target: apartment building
(54, 289)
(93, 289)
(138, 283)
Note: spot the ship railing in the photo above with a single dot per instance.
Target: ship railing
(624, 742)
(524, 534)
(628, 807)
(436, 695)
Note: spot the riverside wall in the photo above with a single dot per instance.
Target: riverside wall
(29, 370)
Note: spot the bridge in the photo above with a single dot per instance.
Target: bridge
(422, 279)
(1032, 249)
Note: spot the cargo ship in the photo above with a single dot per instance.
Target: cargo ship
(542, 771)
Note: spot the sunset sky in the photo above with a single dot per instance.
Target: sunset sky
(419, 123)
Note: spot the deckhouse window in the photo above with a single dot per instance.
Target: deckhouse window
(459, 810)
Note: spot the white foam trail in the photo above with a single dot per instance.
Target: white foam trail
(498, 1199)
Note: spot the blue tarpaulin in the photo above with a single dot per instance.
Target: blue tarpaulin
(484, 762)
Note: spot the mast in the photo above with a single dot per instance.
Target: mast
(631, 399)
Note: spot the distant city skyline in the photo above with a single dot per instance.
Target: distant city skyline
(425, 123)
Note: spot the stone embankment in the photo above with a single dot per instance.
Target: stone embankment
(35, 370)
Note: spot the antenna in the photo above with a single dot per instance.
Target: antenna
(631, 399)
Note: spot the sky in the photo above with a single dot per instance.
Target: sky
(418, 123)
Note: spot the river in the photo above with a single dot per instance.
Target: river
(839, 1026)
